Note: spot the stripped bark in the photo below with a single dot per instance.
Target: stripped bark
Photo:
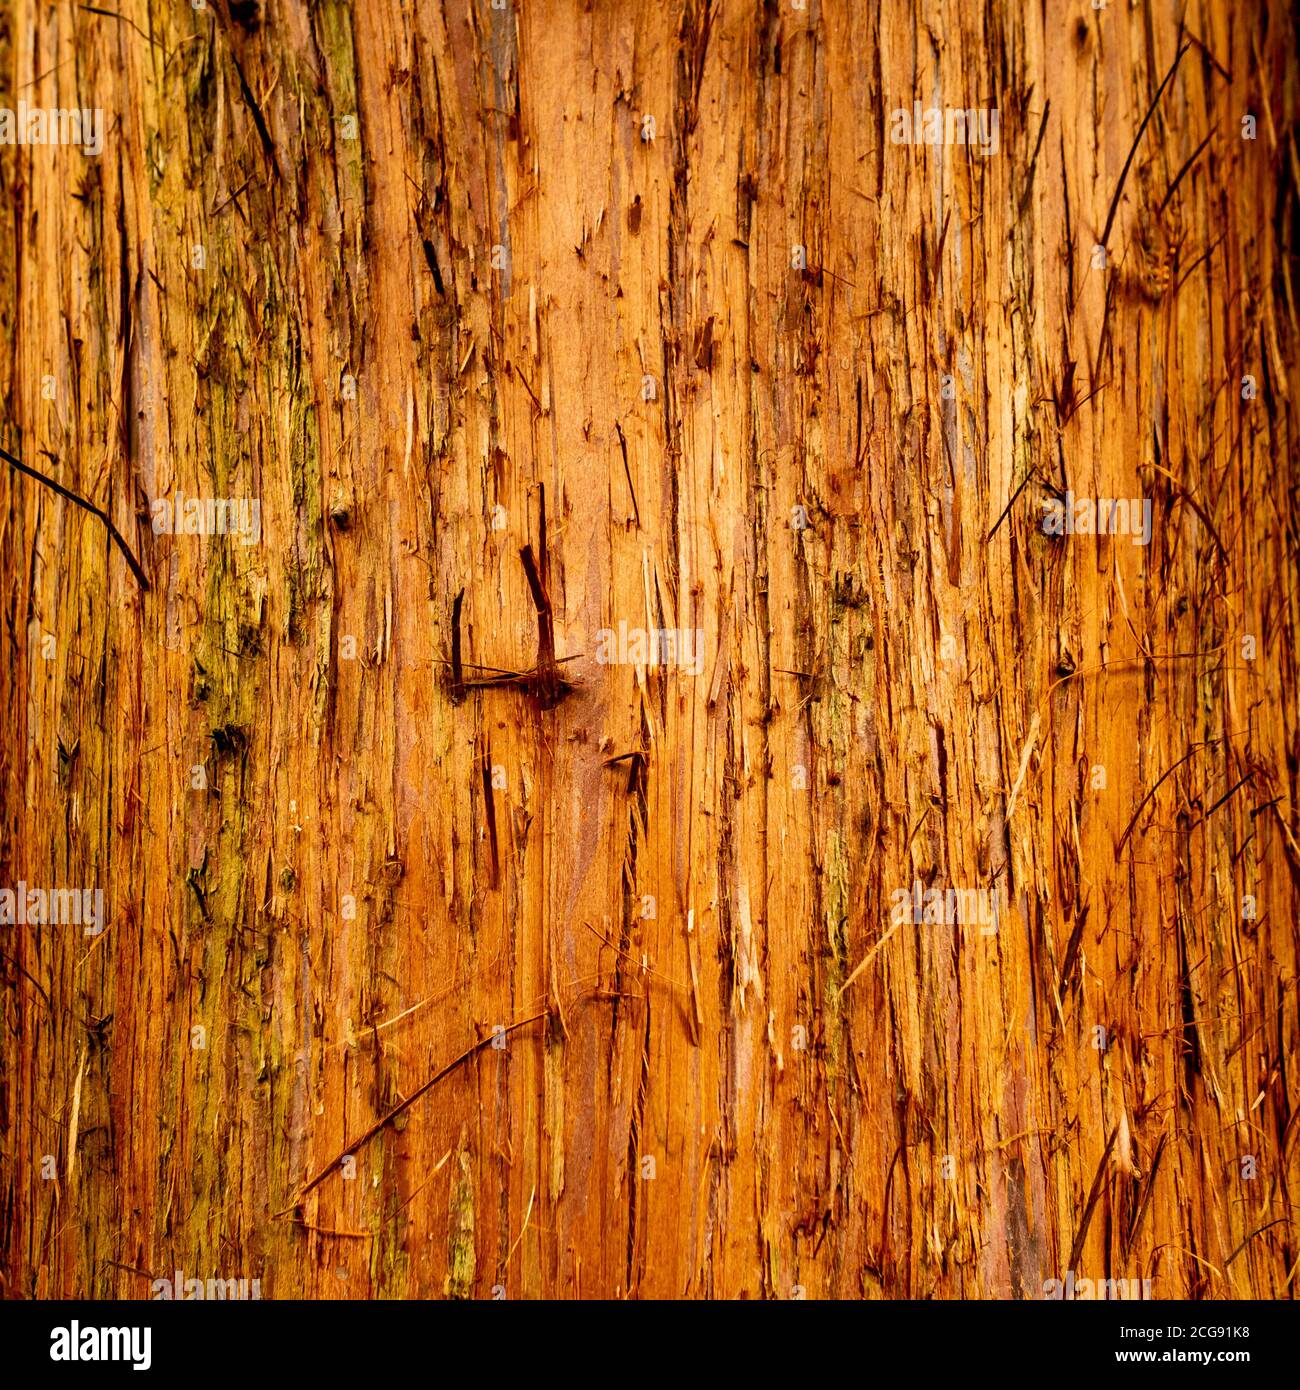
(570, 977)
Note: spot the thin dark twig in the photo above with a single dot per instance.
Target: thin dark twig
(489, 803)
(1128, 829)
(1033, 163)
(622, 443)
(1178, 178)
(1214, 62)
(71, 496)
(1024, 481)
(1224, 798)
(546, 682)
(1204, 256)
(1146, 120)
(385, 1120)
(457, 672)
(1268, 1225)
(1081, 1235)
(125, 19)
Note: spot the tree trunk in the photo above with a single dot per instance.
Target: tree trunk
(640, 606)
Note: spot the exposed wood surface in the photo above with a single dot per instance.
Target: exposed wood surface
(916, 687)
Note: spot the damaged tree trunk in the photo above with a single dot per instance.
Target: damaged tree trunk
(626, 768)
